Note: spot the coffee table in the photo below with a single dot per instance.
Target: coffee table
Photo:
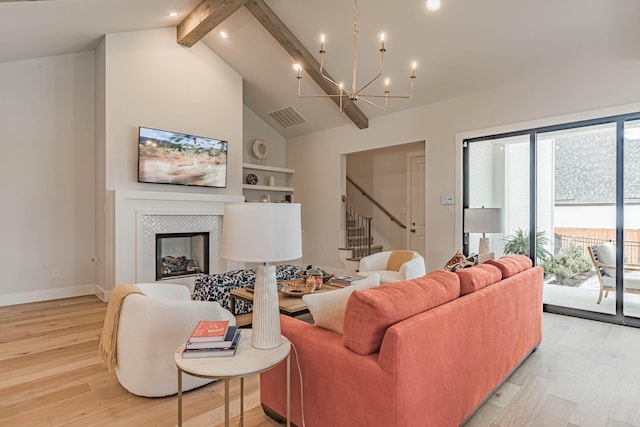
(247, 361)
(290, 306)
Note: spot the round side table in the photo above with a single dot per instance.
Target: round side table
(247, 361)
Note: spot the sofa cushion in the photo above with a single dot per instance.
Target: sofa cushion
(369, 313)
(477, 277)
(511, 265)
(327, 308)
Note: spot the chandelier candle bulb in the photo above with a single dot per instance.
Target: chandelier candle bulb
(382, 42)
(321, 43)
(413, 70)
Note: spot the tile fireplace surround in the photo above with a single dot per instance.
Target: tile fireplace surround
(135, 217)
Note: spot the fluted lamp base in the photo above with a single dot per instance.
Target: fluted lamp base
(266, 313)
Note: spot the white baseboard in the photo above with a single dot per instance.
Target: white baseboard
(102, 293)
(47, 294)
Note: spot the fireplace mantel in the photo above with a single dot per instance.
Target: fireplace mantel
(126, 212)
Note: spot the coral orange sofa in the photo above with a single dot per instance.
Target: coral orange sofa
(422, 352)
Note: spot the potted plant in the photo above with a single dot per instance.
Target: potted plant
(518, 243)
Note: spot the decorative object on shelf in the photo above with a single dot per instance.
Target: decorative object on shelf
(272, 181)
(260, 149)
(251, 179)
(356, 93)
(483, 220)
(263, 233)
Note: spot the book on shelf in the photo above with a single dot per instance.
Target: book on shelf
(228, 340)
(345, 280)
(213, 352)
(209, 330)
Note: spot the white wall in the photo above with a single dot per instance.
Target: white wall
(256, 128)
(47, 178)
(150, 80)
(153, 81)
(565, 92)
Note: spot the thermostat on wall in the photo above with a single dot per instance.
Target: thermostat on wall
(446, 200)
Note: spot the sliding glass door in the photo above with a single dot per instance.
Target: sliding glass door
(498, 178)
(631, 254)
(578, 186)
(576, 209)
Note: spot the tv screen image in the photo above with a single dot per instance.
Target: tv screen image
(176, 158)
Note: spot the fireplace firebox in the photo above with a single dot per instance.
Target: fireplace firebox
(181, 254)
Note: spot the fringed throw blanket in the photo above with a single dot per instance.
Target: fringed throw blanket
(397, 258)
(111, 320)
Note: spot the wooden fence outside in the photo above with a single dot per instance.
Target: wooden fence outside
(584, 237)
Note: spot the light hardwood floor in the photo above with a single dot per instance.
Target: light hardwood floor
(584, 374)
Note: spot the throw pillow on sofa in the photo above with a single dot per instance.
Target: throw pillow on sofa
(327, 308)
(459, 261)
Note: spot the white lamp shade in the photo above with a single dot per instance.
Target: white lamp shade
(261, 232)
(483, 220)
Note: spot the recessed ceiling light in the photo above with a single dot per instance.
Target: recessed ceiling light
(433, 4)
(223, 34)
(172, 14)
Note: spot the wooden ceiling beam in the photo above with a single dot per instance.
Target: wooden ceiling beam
(274, 25)
(204, 18)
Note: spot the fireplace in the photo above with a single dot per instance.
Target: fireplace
(181, 254)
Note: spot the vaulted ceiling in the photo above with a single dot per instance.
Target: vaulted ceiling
(467, 46)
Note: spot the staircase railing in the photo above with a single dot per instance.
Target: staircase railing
(358, 230)
(376, 203)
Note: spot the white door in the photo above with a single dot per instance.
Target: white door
(416, 214)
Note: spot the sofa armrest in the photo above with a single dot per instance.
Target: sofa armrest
(333, 377)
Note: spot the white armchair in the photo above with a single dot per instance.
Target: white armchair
(377, 264)
(151, 328)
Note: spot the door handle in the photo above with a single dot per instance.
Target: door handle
(413, 230)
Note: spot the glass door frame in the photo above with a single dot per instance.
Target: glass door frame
(619, 120)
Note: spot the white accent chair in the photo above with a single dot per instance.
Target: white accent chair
(377, 264)
(150, 329)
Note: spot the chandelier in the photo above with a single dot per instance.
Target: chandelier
(355, 93)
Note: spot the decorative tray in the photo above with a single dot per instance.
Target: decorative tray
(296, 288)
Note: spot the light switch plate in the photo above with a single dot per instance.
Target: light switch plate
(446, 200)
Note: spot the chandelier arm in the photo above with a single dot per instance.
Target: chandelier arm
(372, 103)
(375, 77)
(320, 96)
(334, 83)
(367, 95)
(390, 96)
(300, 95)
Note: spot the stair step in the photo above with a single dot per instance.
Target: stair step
(359, 240)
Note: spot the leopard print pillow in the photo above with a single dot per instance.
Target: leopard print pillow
(459, 261)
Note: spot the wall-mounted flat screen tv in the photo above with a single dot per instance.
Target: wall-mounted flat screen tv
(177, 158)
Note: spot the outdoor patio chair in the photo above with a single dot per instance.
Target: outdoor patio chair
(604, 261)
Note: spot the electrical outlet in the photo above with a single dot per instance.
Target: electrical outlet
(55, 274)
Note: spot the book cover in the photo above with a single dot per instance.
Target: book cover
(213, 352)
(346, 279)
(228, 340)
(209, 330)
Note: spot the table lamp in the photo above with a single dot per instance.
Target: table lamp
(263, 233)
(483, 220)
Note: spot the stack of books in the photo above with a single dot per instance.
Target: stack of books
(344, 280)
(212, 338)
